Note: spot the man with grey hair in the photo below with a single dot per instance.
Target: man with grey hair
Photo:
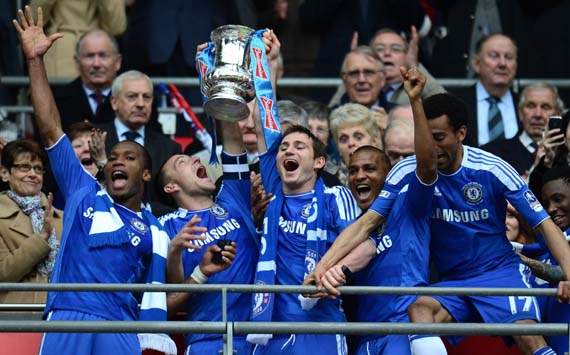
(537, 103)
(131, 99)
(98, 60)
(291, 114)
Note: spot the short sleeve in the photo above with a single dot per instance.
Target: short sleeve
(236, 187)
(68, 171)
(526, 203)
(395, 182)
(419, 197)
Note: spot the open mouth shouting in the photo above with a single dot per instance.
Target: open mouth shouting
(119, 179)
(290, 165)
(201, 172)
(363, 192)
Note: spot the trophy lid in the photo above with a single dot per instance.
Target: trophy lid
(238, 32)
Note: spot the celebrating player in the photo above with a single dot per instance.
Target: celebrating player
(108, 236)
(468, 244)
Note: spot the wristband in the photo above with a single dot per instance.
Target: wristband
(198, 275)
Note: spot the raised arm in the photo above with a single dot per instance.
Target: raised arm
(424, 145)
(559, 248)
(34, 45)
(550, 273)
(232, 137)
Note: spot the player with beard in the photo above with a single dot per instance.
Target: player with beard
(226, 218)
(395, 255)
(301, 222)
(108, 236)
(468, 242)
(545, 269)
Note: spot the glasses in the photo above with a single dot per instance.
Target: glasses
(355, 74)
(25, 168)
(394, 48)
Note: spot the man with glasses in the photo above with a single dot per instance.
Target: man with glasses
(395, 52)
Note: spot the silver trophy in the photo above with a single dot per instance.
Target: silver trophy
(229, 86)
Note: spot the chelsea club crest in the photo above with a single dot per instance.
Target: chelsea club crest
(218, 211)
(306, 211)
(139, 225)
(473, 193)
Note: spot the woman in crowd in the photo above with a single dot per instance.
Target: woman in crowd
(29, 227)
(352, 126)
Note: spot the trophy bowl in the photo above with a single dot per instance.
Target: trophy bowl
(229, 86)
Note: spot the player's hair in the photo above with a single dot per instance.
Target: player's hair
(147, 160)
(319, 148)
(375, 150)
(557, 173)
(447, 104)
(162, 178)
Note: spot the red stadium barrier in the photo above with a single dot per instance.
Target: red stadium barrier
(20, 343)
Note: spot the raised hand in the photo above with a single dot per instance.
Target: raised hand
(272, 45)
(208, 267)
(184, 239)
(413, 48)
(414, 82)
(97, 147)
(259, 199)
(32, 37)
(548, 147)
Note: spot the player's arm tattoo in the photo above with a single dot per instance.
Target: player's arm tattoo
(550, 273)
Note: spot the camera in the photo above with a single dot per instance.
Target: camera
(555, 122)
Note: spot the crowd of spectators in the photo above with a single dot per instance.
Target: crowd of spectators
(107, 152)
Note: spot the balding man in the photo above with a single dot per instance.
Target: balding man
(399, 140)
(98, 60)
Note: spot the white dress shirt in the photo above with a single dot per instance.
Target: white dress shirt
(508, 113)
(122, 128)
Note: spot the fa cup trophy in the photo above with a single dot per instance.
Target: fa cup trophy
(229, 85)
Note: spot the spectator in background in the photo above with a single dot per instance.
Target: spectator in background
(518, 230)
(98, 60)
(337, 21)
(291, 114)
(73, 19)
(399, 140)
(131, 99)
(30, 228)
(353, 125)
(490, 100)
(537, 103)
(395, 52)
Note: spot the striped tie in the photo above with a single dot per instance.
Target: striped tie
(495, 120)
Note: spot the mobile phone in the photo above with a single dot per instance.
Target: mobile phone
(217, 257)
(554, 122)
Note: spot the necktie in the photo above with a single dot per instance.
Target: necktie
(131, 135)
(98, 97)
(494, 119)
(534, 146)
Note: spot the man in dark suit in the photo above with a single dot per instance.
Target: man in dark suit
(493, 105)
(131, 99)
(537, 103)
(87, 97)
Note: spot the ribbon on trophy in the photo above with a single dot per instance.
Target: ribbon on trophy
(266, 102)
(204, 63)
(259, 69)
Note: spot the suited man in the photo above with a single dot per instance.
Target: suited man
(492, 103)
(394, 51)
(537, 103)
(131, 99)
(98, 60)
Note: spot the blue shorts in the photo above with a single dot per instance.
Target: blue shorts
(553, 311)
(86, 343)
(304, 344)
(215, 346)
(491, 309)
(387, 344)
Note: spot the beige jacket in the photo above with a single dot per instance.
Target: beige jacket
(73, 18)
(21, 250)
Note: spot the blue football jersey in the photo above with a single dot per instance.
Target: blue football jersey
(469, 208)
(229, 218)
(341, 209)
(77, 262)
(402, 259)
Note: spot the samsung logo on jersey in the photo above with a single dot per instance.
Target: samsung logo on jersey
(217, 233)
(450, 215)
(292, 226)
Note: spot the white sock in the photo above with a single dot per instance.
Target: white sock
(427, 346)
